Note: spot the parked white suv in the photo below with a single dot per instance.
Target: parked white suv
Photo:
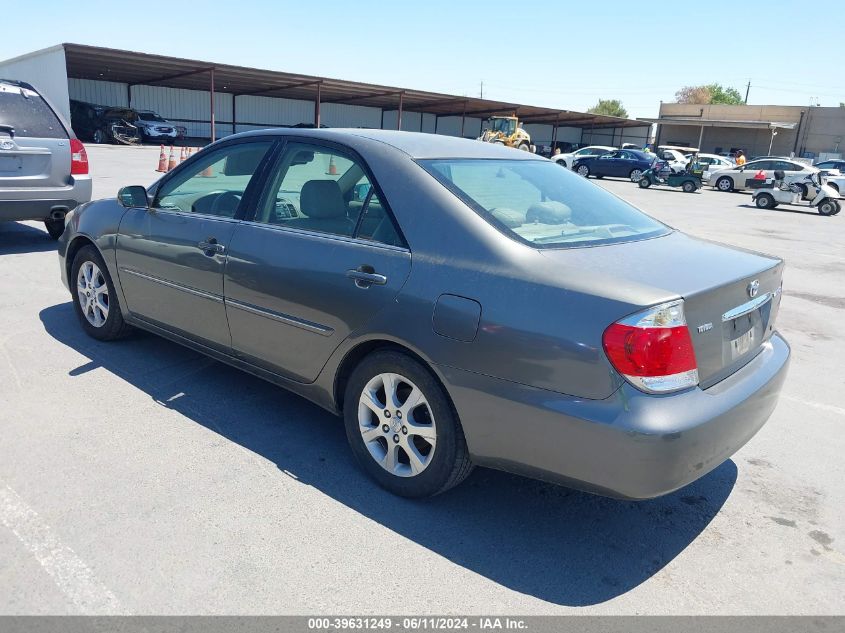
(43, 166)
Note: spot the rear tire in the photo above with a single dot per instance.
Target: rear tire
(583, 170)
(100, 316)
(635, 175)
(524, 147)
(765, 201)
(645, 183)
(689, 187)
(55, 228)
(386, 379)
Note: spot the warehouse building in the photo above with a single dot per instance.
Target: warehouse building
(212, 100)
(809, 132)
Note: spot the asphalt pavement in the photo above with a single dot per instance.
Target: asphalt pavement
(140, 477)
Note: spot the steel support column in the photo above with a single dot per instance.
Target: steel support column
(317, 105)
(211, 93)
(463, 119)
(554, 134)
(700, 137)
(399, 117)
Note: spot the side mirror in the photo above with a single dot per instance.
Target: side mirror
(133, 196)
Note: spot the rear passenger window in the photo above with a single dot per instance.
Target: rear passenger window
(318, 189)
(28, 114)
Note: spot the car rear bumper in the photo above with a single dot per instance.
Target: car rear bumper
(631, 445)
(31, 203)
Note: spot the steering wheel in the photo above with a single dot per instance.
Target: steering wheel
(227, 202)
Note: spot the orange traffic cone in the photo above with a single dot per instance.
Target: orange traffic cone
(162, 160)
(181, 155)
(332, 168)
(171, 162)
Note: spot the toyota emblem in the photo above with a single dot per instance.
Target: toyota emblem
(753, 288)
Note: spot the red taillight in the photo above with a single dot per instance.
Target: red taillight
(78, 158)
(653, 349)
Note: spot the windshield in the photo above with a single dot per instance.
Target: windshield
(539, 203)
(149, 116)
(506, 126)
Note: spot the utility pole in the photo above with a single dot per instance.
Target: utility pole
(747, 90)
(481, 92)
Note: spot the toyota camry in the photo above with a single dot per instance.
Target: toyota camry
(457, 303)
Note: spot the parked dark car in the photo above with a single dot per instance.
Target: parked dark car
(43, 166)
(457, 302)
(623, 163)
(104, 124)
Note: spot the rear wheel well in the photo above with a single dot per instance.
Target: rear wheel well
(358, 353)
(73, 249)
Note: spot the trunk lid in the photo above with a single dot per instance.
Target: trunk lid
(34, 145)
(727, 324)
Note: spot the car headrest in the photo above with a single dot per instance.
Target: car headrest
(779, 174)
(322, 199)
(508, 217)
(548, 213)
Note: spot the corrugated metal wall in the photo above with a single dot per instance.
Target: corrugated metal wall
(255, 112)
(107, 93)
(341, 115)
(451, 126)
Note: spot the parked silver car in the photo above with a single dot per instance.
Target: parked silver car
(43, 166)
(457, 302)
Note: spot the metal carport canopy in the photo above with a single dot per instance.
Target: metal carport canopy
(133, 68)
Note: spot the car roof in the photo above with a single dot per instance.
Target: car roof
(417, 145)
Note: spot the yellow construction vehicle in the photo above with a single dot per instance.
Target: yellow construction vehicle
(506, 131)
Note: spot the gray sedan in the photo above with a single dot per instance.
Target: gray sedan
(458, 303)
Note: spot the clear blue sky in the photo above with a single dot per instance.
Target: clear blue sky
(571, 54)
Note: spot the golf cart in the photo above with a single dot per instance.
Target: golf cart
(661, 174)
(795, 190)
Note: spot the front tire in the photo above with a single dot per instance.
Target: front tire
(827, 207)
(583, 170)
(725, 183)
(99, 137)
(645, 183)
(524, 147)
(94, 297)
(55, 228)
(402, 428)
(689, 186)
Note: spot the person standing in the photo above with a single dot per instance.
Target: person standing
(740, 158)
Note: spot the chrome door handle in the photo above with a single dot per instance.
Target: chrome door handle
(211, 247)
(365, 279)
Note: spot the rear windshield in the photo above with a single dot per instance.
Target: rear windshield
(538, 203)
(28, 114)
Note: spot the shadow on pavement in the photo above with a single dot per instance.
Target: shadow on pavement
(17, 238)
(559, 545)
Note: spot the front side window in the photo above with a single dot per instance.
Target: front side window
(215, 183)
(315, 188)
(542, 205)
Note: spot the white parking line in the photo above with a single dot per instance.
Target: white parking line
(72, 576)
(816, 405)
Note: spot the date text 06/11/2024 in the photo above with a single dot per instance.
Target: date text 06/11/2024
(422, 623)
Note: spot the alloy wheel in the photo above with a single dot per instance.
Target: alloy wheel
(397, 424)
(636, 174)
(93, 294)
